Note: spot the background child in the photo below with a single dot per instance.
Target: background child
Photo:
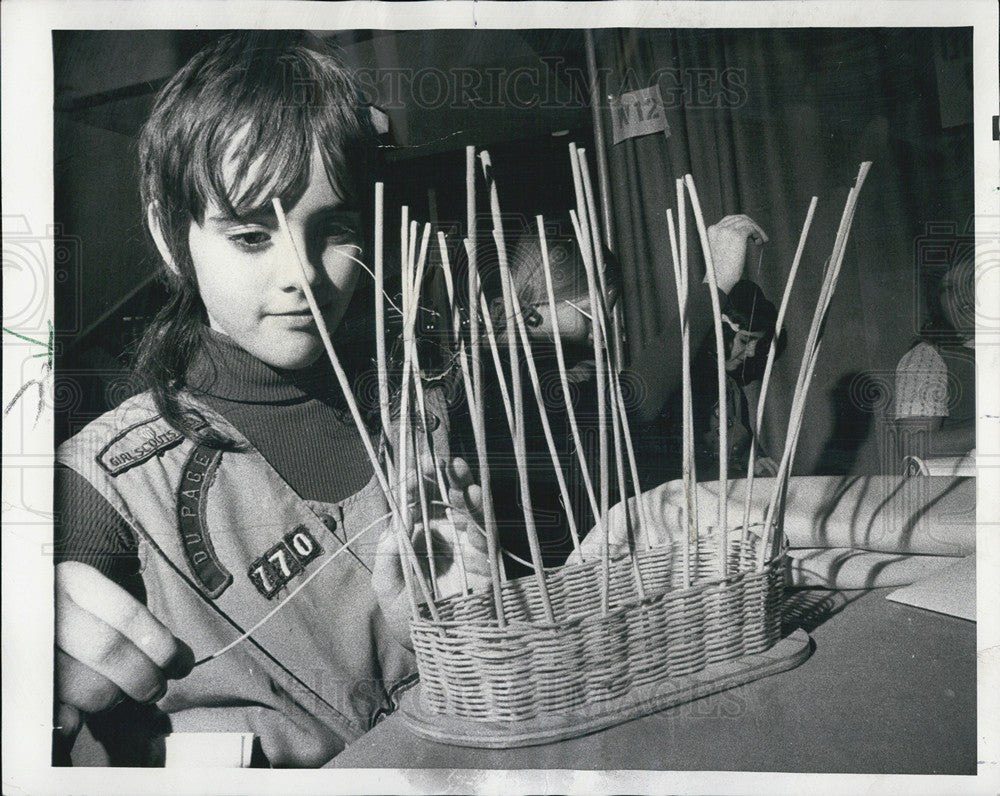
(191, 510)
(935, 385)
(650, 378)
(748, 323)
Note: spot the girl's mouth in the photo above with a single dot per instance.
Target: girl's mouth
(303, 312)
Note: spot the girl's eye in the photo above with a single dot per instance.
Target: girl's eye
(251, 240)
(338, 231)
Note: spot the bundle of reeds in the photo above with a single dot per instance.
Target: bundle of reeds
(540, 647)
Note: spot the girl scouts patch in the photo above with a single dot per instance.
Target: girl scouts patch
(137, 444)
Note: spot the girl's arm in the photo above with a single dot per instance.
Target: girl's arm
(929, 436)
(88, 529)
(926, 516)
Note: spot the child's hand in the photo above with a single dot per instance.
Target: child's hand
(108, 646)
(765, 466)
(465, 497)
(728, 241)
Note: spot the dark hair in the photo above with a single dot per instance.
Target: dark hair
(751, 310)
(236, 126)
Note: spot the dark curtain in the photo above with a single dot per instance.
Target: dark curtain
(764, 120)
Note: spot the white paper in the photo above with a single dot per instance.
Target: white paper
(951, 591)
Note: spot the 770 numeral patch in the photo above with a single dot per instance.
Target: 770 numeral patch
(284, 561)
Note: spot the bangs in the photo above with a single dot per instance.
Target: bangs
(239, 125)
(263, 148)
(244, 169)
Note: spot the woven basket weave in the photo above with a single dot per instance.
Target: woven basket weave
(471, 668)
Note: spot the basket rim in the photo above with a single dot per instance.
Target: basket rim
(426, 623)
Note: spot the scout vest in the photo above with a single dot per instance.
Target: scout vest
(222, 541)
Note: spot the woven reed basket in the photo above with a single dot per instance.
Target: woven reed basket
(472, 669)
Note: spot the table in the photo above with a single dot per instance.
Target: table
(888, 689)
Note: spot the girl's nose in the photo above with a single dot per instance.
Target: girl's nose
(293, 261)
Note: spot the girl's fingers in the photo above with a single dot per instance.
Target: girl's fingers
(752, 229)
(68, 721)
(468, 500)
(428, 469)
(387, 570)
(82, 690)
(463, 489)
(110, 655)
(97, 600)
(412, 493)
(474, 499)
(744, 225)
(459, 473)
(390, 587)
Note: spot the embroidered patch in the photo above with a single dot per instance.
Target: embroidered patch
(192, 503)
(284, 561)
(137, 444)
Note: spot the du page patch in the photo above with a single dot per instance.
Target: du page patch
(192, 507)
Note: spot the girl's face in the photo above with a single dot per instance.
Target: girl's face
(250, 281)
(743, 348)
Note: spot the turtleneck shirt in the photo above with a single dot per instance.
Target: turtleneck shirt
(297, 420)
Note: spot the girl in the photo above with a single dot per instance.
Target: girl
(192, 509)
(748, 323)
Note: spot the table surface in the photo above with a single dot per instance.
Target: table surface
(888, 689)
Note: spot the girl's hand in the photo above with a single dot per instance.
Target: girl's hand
(727, 240)
(465, 498)
(108, 646)
(765, 466)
